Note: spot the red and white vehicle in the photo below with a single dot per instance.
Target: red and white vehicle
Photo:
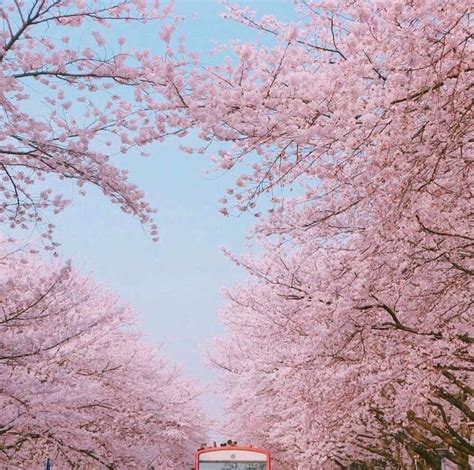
(230, 456)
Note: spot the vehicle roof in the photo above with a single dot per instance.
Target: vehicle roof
(232, 447)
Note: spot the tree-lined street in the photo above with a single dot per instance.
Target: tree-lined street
(347, 129)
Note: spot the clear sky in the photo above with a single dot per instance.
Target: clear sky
(174, 284)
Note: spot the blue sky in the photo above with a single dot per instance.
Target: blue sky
(174, 284)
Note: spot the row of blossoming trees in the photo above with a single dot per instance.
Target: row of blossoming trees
(77, 382)
(351, 342)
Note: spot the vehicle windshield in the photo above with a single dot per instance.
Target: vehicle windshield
(232, 466)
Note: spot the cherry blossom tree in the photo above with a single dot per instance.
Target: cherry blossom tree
(313, 377)
(79, 384)
(351, 341)
(73, 94)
